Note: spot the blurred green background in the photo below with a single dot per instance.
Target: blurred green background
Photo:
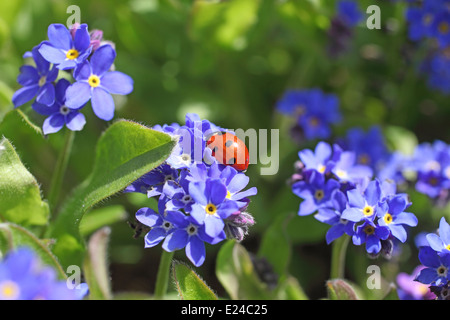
(230, 61)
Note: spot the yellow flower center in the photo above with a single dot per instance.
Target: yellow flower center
(72, 54)
(341, 174)
(228, 195)
(94, 81)
(444, 27)
(319, 194)
(368, 211)
(211, 209)
(9, 290)
(387, 218)
(321, 168)
(448, 247)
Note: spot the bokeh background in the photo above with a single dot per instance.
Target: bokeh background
(230, 61)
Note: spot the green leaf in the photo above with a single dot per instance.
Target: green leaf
(96, 266)
(275, 245)
(189, 284)
(125, 152)
(236, 273)
(290, 289)
(227, 23)
(392, 293)
(101, 217)
(339, 289)
(13, 236)
(20, 196)
(401, 139)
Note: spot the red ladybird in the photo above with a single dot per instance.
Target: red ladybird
(228, 149)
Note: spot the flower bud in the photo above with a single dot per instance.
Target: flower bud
(237, 225)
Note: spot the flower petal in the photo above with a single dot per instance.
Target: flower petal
(352, 214)
(406, 218)
(427, 276)
(116, 82)
(52, 54)
(227, 208)
(75, 121)
(23, 95)
(46, 94)
(77, 95)
(102, 59)
(53, 124)
(247, 193)
(177, 218)
(42, 65)
(373, 245)
(82, 40)
(148, 217)
(195, 251)
(60, 90)
(335, 232)
(82, 71)
(444, 231)
(45, 110)
(307, 207)
(197, 192)
(428, 257)
(59, 36)
(323, 152)
(176, 240)
(28, 76)
(213, 226)
(373, 193)
(399, 232)
(154, 236)
(216, 191)
(102, 104)
(435, 242)
(198, 213)
(355, 198)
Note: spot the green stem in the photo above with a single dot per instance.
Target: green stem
(60, 169)
(162, 278)
(338, 254)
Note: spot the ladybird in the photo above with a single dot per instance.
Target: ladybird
(229, 150)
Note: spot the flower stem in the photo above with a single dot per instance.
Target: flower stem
(60, 169)
(338, 254)
(162, 278)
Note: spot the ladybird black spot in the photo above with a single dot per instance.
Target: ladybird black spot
(215, 149)
(232, 161)
(229, 143)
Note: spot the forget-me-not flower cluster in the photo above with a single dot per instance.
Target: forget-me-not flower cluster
(435, 257)
(313, 110)
(199, 200)
(86, 58)
(429, 25)
(24, 277)
(345, 194)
